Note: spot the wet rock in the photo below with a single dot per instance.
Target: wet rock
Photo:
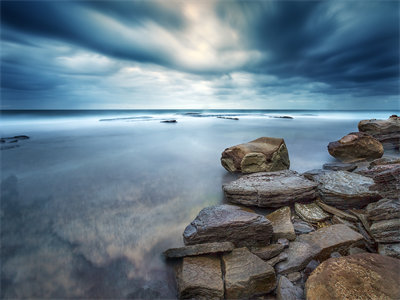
(282, 224)
(386, 231)
(267, 252)
(264, 154)
(346, 190)
(199, 249)
(247, 275)
(281, 257)
(310, 212)
(169, 121)
(384, 209)
(392, 250)
(286, 290)
(373, 275)
(272, 189)
(338, 166)
(386, 131)
(200, 277)
(356, 146)
(228, 223)
(318, 245)
(336, 212)
(301, 227)
(294, 276)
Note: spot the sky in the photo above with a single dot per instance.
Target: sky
(200, 54)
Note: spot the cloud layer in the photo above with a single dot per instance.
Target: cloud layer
(200, 54)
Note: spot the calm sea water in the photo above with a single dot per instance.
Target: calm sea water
(90, 201)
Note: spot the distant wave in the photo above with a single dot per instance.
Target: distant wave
(127, 119)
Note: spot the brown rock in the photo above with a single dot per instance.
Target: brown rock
(228, 223)
(387, 180)
(311, 212)
(386, 131)
(247, 275)
(264, 154)
(200, 277)
(338, 166)
(337, 212)
(282, 224)
(199, 249)
(272, 189)
(277, 259)
(356, 146)
(359, 276)
(384, 209)
(386, 231)
(267, 252)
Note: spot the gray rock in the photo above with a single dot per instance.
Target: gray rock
(338, 166)
(346, 190)
(267, 252)
(384, 209)
(277, 259)
(294, 276)
(310, 174)
(311, 266)
(247, 275)
(338, 220)
(356, 250)
(282, 224)
(228, 223)
(299, 255)
(199, 249)
(264, 154)
(286, 290)
(283, 242)
(301, 227)
(335, 255)
(310, 212)
(200, 277)
(386, 231)
(392, 250)
(272, 189)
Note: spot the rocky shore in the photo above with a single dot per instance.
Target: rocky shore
(330, 233)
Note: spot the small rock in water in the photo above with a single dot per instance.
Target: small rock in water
(310, 212)
(282, 224)
(207, 248)
(228, 118)
(286, 290)
(169, 121)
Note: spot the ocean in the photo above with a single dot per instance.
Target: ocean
(91, 200)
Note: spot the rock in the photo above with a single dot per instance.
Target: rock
(310, 212)
(386, 131)
(310, 174)
(281, 224)
(273, 189)
(208, 248)
(286, 290)
(311, 266)
(338, 220)
(356, 146)
(318, 245)
(228, 118)
(346, 190)
(267, 252)
(283, 242)
(392, 250)
(281, 257)
(294, 276)
(359, 276)
(169, 121)
(336, 212)
(282, 117)
(335, 254)
(200, 277)
(355, 250)
(264, 154)
(386, 231)
(228, 223)
(384, 209)
(338, 166)
(385, 160)
(247, 275)
(387, 180)
(301, 227)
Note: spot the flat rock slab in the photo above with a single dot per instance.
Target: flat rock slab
(359, 276)
(228, 223)
(199, 249)
(302, 227)
(386, 231)
(264, 154)
(282, 224)
(267, 252)
(311, 212)
(346, 190)
(384, 209)
(338, 166)
(200, 277)
(247, 275)
(318, 245)
(270, 189)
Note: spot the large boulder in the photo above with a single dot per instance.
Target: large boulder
(270, 189)
(386, 131)
(282, 224)
(228, 223)
(359, 276)
(356, 146)
(318, 245)
(344, 189)
(200, 277)
(264, 154)
(247, 275)
(199, 249)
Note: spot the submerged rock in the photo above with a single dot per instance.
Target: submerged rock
(373, 275)
(247, 275)
(346, 190)
(199, 249)
(282, 224)
(228, 223)
(261, 155)
(311, 212)
(200, 277)
(356, 146)
(386, 131)
(272, 189)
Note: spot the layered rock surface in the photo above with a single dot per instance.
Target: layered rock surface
(281, 224)
(228, 223)
(386, 131)
(359, 276)
(311, 212)
(272, 189)
(264, 154)
(199, 249)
